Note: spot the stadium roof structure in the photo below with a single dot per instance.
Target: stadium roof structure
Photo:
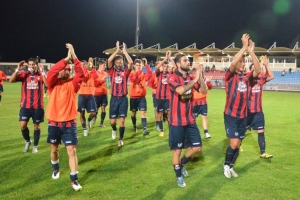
(276, 51)
(231, 50)
(153, 50)
(259, 51)
(296, 49)
(136, 50)
(210, 50)
(190, 50)
(173, 48)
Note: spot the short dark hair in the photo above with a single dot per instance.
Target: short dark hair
(101, 62)
(137, 61)
(84, 62)
(33, 59)
(178, 56)
(118, 57)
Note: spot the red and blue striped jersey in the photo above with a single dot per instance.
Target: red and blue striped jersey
(119, 79)
(181, 105)
(256, 88)
(162, 91)
(237, 88)
(32, 90)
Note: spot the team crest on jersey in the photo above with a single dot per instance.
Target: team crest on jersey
(39, 78)
(118, 79)
(164, 81)
(242, 87)
(256, 88)
(122, 74)
(32, 85)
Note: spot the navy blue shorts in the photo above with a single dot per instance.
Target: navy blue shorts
(162, 105)
(37, 115)
(256, 120)
(235, 127)
(154, 100)
(86, 102)
(138, 104)
(181, 137)
(1, 88)
(200, 110)
(66, 134)
(118, 107)
(101, 100)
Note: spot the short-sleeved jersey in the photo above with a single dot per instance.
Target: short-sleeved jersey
(237, 88)
(100, 83)
(2, 77)
(119, 79)
(256, 89)
(200, 98)
(180, 105)
(87, 86)
(137, 84)
(32, 90)
(162, 90)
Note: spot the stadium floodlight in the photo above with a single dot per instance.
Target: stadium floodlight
(137, 31)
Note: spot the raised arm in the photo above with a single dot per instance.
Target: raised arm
(79, 75)
(270, 73)
(41, 68)
(172, 61)
(257, 68)
(208, 83)
(128, 58)
(53, 73)
(168, 54)
(200, 86)
(240, 54)
(112, 56)
(181, 89)
(13, 77)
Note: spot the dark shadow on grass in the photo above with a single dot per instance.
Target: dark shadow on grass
(161, 190)
(213, 181)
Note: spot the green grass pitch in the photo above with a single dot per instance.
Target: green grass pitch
(142, 168)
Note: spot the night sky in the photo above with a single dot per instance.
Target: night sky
(31, 28)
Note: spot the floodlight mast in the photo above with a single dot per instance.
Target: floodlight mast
(137, 31)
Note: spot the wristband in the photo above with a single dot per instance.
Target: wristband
(17, 70)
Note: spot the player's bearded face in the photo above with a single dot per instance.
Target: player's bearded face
(65, 73)
(185, 64)
(119, 63)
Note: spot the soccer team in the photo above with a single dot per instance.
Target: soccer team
(179, 96)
